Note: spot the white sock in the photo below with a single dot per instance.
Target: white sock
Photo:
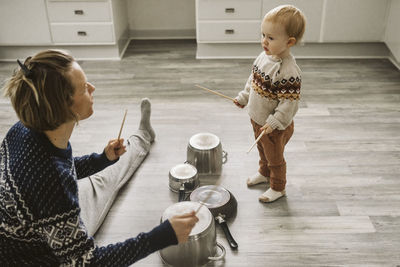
(257, 178)
(271, 195)
(145, 107)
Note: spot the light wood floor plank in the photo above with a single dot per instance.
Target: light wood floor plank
(343, 201)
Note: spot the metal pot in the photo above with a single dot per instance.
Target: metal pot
(201, 246)
(183, 178)
(205, 152)
(222, 205)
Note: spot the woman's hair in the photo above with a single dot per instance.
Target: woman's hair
(291, 17)
(41, 91)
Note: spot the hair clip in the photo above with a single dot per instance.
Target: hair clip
(28, 73)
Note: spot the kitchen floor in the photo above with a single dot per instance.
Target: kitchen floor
(342, 204)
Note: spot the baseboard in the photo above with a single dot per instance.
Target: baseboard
(93, 52)
(394, 61)
(208, 50)
(162, 34)
(309, 50)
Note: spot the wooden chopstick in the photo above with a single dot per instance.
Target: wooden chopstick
(122, 125)
(258, 139)
(214, 92)
(208, 196)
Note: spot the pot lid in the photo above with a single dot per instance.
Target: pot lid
(183, 171)
(204, 215)
(212, 196)
(204, 141)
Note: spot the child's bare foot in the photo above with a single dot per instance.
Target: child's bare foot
(257, 178)
(145, 107)
(271, 195)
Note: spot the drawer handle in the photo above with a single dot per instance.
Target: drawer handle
(229, 10)
(82, 33)
(229, 31)
(78, 12)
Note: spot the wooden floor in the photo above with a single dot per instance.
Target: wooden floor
(343, 203)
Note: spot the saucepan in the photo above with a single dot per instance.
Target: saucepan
(183, 178)
(222, 205)
(205, 152)
(201, 247)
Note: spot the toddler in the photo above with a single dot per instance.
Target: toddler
(272, 94)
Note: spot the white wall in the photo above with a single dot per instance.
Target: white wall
(392, 36)
(150, 15)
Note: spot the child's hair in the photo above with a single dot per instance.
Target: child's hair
(291, 17)
(41, 91)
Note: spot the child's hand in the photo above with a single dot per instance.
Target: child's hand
(267, 128)
(114, 149)
(237, 103)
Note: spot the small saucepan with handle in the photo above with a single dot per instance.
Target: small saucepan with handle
(222, 205)
(183, 178)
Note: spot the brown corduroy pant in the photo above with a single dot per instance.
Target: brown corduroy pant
(271, 148)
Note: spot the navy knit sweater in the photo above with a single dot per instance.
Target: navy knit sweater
(40, 222)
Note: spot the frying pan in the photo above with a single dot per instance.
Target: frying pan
(222, 205)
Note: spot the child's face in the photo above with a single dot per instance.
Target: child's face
(274, 39)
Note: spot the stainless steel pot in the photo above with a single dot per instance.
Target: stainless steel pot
(205, 152)
(183, 178)
(222, 205)
(201, 246)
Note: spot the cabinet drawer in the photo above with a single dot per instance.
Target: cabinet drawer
(72, 11)
(233, 9)
(82, 33)
(229, 31)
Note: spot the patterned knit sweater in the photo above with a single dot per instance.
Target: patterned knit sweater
(272, 91)
(40, 222)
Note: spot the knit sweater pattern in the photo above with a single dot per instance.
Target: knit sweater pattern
(40, 223)
(272, 92)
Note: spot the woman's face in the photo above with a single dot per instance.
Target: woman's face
(83, 95)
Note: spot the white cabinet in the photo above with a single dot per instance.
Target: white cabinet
(82, 22)
(355, 20)
(87, 34)
(24, 22)
(89, 29)
(228, 9)
(231, 21)
(392, 36)
(84, 11)
(231, 28)
(311, 8)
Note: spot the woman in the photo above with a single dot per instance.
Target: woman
(51, 203)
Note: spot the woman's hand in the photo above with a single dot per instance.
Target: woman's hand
(183, 225)
(114, 149)
(237, 104)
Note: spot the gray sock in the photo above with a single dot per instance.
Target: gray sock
(145, 107)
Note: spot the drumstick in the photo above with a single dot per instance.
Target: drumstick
(204, 200)
(255, 142)
(214, 92)
(122, 125)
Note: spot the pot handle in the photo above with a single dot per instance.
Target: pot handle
(191, 163)
(228, 235)
(221, 256)
(224, 156)
(181, 193)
